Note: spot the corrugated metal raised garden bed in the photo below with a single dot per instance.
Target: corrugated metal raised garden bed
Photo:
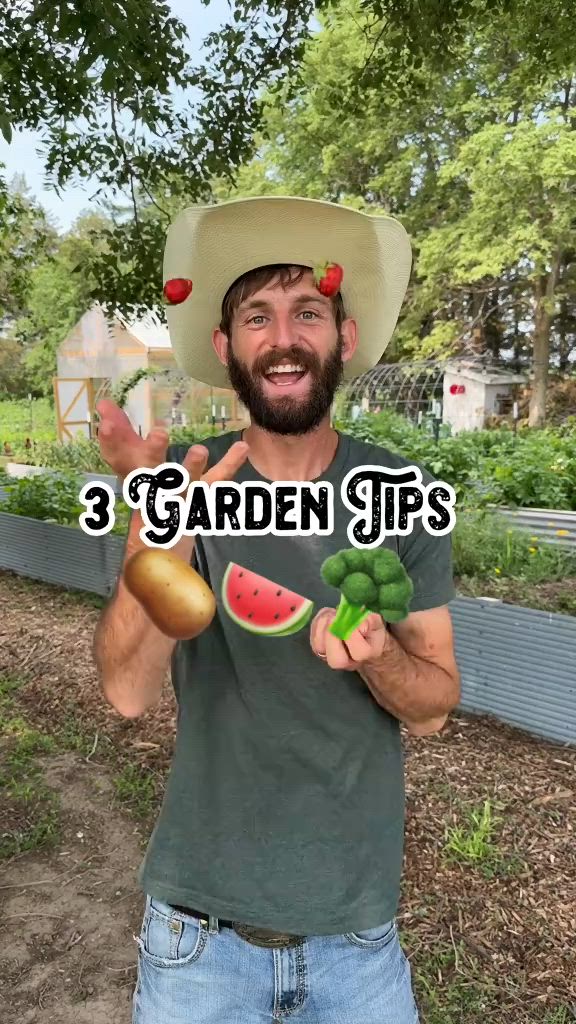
(63, 555)
(516, 663)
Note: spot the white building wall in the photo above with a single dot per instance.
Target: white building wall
(467, 411)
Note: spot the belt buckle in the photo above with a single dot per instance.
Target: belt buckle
(263, 938)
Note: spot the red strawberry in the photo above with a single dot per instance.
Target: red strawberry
(177, 290)
(328, 278)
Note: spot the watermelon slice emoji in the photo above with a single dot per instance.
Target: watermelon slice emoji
(262, 606)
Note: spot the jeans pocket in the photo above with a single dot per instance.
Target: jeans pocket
(169, 938)
(374, 938)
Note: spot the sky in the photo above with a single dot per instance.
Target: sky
(21, 156)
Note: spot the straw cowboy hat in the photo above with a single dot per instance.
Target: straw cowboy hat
(209, 247)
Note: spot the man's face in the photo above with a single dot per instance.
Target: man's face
(285, 356)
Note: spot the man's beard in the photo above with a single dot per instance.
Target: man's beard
(288, 415)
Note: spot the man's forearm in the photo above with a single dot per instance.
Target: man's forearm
(132, 655)
(413, 690)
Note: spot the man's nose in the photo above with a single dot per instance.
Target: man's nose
(284, 332)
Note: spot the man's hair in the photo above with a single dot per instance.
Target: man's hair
(251, 282)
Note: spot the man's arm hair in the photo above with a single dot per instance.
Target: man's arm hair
(132, 655)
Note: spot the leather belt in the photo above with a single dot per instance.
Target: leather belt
(256, 936)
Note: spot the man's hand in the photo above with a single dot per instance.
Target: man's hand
(409, 668)
(124, 450)
(366, 643)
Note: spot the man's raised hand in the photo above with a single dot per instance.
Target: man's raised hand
(122, 448)
(125, 451)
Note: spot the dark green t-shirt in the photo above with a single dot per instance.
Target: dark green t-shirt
(284, 806)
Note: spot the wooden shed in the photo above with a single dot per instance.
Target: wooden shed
(100, 351)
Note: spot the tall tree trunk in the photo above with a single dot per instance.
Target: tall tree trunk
(544, 291)
(563, 342)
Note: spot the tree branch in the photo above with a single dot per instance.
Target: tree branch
(126, 159)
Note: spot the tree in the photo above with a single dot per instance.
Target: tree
(479, 166)
(58, 294)
(26, 236)
(421, 79)
(101, 80)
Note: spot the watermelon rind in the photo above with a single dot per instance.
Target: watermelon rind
(306, 616)
(302, 616)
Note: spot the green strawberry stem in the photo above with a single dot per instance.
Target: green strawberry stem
(348, 618)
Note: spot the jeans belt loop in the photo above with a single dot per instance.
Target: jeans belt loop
(213, 928)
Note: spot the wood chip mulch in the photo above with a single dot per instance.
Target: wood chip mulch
(502, 931)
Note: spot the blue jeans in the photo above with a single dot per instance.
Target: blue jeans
(191, 974)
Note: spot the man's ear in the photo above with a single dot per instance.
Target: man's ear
(220, 345)
(349, 332)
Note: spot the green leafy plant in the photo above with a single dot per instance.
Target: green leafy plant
(49, 497)
(81, 455)
(535, 468)
(129, 381)
(54, 498)
(473, 842)
(485, 546)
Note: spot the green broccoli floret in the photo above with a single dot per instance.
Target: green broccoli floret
(370, 581)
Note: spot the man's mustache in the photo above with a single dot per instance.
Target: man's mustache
(295, 356)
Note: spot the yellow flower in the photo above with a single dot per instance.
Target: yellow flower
(498, 571)
(533, 538)
(562, 533)
(532, 550)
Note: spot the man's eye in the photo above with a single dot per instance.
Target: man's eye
(309, 312)
(258, 316)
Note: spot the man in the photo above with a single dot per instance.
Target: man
(272, 876)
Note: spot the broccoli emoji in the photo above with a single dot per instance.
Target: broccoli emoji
(369, 581)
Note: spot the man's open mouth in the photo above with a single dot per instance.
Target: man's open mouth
(285, 374)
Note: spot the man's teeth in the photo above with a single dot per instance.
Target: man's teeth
(285, 369)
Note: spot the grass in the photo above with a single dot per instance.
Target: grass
(21, 419)
(561, 1015)
(473, 843)
(30, 816)
(451, 987)
(135, 787)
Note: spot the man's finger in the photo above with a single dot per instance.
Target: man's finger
(109, 410)
(336, 653)
(195, 461)
(229, 463)
(319, 628)
(358, 646)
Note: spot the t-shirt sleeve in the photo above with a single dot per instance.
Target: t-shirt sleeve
(428, 561)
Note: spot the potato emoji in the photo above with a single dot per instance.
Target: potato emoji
(172, 593)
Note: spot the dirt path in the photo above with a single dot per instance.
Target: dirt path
(488, 906)
(68, 916)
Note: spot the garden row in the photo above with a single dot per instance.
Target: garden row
(516, 660)
(530, 469)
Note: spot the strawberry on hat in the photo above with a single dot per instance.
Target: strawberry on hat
(177, 290)
(328, 277)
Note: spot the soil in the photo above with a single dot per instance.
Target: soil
(492, 939)
(68, 916)
(553, 596)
